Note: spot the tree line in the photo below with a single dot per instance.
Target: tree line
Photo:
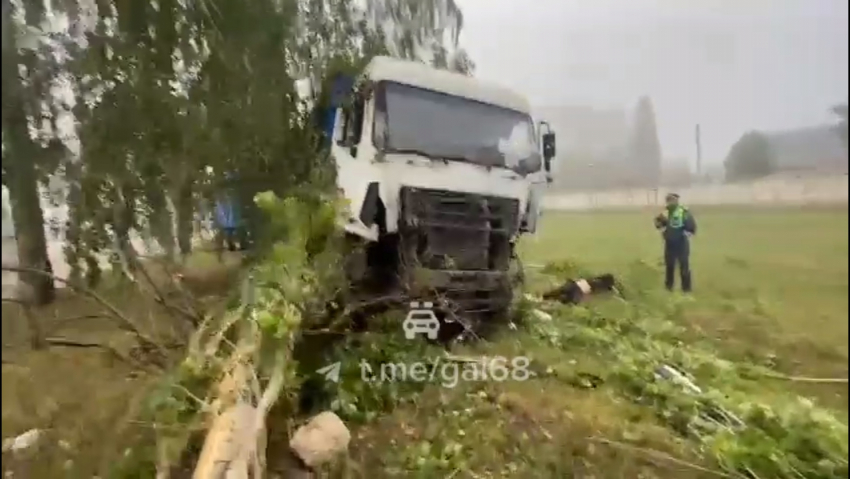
(148, 109)
(753, 156)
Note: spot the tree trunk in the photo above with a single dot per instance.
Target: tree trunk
(28, 219)
(36, 332)
(122, 224)
(25, 203)
(73, 230)
(162, 229)
(20, 173)
(184, 212)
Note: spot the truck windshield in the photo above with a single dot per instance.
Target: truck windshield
(415, 120)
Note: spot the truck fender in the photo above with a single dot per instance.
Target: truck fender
(370, 221)
(532, 213)
(371, 205)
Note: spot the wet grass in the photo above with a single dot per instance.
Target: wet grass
(771, 289)
(83, 398)
(767, 281)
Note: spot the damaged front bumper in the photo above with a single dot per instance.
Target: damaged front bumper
(467, 291)
(460, 245)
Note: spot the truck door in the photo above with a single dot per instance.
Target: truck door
(348, 145)
(539, 180)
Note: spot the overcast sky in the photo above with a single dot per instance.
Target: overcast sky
(730, 65)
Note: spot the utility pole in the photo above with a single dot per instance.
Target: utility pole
(699, 153)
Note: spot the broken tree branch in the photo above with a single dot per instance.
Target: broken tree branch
(658, 456)
(804, 379)
(124, 322)
(195, 317)
(71, 343)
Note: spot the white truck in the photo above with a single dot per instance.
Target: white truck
(443, 173)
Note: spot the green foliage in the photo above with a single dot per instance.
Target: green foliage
(564, 269)
(303, 263)
(284, 293)
(418, 24)
(361, 401)
(580, 396)
(782, 437)
(750, 157)
(28, 72)
(177, 103)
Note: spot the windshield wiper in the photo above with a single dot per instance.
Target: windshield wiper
(430, 156)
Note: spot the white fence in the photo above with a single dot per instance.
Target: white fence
(773, 191)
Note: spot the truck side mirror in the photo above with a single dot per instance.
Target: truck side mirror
(549, 145)
(548, 153)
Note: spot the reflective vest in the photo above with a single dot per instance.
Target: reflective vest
(676, 219)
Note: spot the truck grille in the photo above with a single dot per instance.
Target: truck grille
(459, 231)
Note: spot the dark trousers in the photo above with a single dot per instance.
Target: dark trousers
(677, 252)
(227, 238)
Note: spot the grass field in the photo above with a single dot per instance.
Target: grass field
(87, 401)
(793, 263)
(770, 289)
(770, 298)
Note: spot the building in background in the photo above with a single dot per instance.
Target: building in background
(816, 150)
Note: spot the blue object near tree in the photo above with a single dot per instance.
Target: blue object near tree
(328, 126)
(227, 214)
(341, 87)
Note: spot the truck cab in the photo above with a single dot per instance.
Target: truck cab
(442, 173)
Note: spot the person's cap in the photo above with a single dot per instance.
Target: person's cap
(672, 196)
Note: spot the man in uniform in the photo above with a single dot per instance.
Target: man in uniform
(228, 223)
(677, 225)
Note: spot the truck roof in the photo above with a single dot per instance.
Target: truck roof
(423, 76)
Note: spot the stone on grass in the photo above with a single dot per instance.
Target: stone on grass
(320, 440)
(22, 441)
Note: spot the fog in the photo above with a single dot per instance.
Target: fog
(730, 65)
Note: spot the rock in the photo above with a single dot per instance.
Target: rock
(322, 438)
(22, 441)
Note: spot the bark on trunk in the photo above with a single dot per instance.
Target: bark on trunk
(162, 230)
(73, 249)
(184, 207)
(20, 173)
(122, 224)
(28, 218)
(36, 332)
